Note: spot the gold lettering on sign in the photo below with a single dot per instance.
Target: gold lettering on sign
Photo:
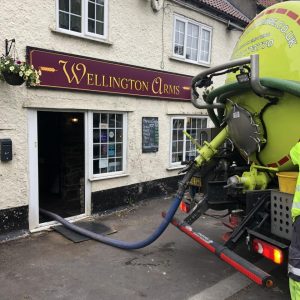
(157, 85)
(124, 84)
(159, 88)
(145, 86)
(90, 79)
(78, 71)
(104, 83)
(171, 89)
(115, 82)
(97, 83)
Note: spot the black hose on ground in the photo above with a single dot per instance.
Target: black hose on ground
(132, 245)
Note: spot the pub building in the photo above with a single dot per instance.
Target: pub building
(104, 126)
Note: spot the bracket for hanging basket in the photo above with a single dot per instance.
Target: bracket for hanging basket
(13, 78)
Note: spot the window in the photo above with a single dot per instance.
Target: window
(83, 17)
(108, 143)
(182, 149)
(192, 41)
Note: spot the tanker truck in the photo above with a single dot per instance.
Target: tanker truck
(246, 169)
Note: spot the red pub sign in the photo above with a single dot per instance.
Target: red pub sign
(73, 72)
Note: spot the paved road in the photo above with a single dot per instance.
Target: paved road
(48, 266)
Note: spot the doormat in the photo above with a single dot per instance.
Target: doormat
(91, 226)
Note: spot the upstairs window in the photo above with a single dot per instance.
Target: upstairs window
(83, 17)
(192, 41)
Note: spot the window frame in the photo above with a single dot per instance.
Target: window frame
(178, 164)
(202, 27)
(100, 176)
(84, 22)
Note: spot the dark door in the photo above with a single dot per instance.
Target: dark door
(61, 162)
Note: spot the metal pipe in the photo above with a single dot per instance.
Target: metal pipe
(207, 106)
(230, 64)
(198, 78)
(208, 150)
(255, 82)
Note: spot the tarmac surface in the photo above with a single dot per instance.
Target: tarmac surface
(48, 266)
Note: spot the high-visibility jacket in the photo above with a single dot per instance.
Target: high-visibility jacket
(295, 155)
(294, 289)
(294, 253)
(294, 249)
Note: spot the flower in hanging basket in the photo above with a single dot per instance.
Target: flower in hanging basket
(15, 72)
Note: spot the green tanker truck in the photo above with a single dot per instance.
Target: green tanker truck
(256, 113)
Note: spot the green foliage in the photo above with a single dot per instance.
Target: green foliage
(23, 69)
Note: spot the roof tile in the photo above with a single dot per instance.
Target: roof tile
(225, 7)
(266, 3)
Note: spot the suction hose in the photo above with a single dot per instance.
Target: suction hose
(132, 245)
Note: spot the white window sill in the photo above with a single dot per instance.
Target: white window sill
(189, 61)
(84, 37)
(108, 177)
(171, 168)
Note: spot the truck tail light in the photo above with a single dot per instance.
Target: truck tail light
(267, 250)
(184, 207)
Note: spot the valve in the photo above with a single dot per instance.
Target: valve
(252, 180)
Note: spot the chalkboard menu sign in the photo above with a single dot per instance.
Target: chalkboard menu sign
(150, 134)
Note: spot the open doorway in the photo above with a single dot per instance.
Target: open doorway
(61, 163)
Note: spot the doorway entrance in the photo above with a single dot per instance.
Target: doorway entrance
(61, 163)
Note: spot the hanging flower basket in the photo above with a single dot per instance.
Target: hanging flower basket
(15, 72)
(13, 78)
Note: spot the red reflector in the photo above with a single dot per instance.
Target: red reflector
(184, 207)
(267, 250)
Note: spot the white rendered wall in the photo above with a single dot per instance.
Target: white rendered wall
(135, 37)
